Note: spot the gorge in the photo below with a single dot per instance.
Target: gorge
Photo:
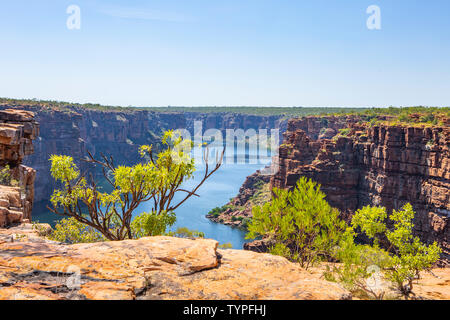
(354, 166)
(378, 165)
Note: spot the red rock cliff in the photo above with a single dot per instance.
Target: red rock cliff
(380, 165)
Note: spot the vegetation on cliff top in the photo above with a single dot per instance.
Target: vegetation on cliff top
(300, 223)
(406, 114)
(48, 105)
(389, 116)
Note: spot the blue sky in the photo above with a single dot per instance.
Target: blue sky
(227, 52)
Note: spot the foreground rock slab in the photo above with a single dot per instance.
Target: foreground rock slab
(151, 268)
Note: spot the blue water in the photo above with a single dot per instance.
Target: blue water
(215, 192)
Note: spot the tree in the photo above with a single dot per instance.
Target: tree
(157, 180)
(394, 251)
(300, 224)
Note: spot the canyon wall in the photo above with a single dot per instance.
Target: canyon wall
(17, 130)
(383, 165)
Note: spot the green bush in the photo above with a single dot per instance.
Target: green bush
(186, 233)
(151, 224)
(301, 223)
(400, 259)
(72, 231)
(6, 179)
(344, 132)
(217, 211)
(226, 246)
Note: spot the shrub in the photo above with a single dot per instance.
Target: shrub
(72, 231)
(301, 223)
(344, 132)
(5, 176)
(151, 224)
(409, 254)
(226, 246)
(6, 179)
(400, 260)
(186, 233)
(217, 211)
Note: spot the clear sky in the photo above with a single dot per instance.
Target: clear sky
(227, 52)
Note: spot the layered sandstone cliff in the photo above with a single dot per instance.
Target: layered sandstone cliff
(17, 130)
(383, 165)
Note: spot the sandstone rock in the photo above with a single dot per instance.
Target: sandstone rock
(153, 268)
(162, 268)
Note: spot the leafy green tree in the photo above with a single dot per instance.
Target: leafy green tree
(409, 254)
(151, 224)
(157, 180)
(302, 226)
(401, 258)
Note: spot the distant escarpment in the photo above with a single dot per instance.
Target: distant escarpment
(17, 130)
(119, 133)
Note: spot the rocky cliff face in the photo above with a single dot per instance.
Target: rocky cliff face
(17, 130)
(379, 165)
(75, 132)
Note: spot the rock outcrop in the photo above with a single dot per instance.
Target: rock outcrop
(385, 165)
(17, 131)
(163, 268)
(151, 268)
